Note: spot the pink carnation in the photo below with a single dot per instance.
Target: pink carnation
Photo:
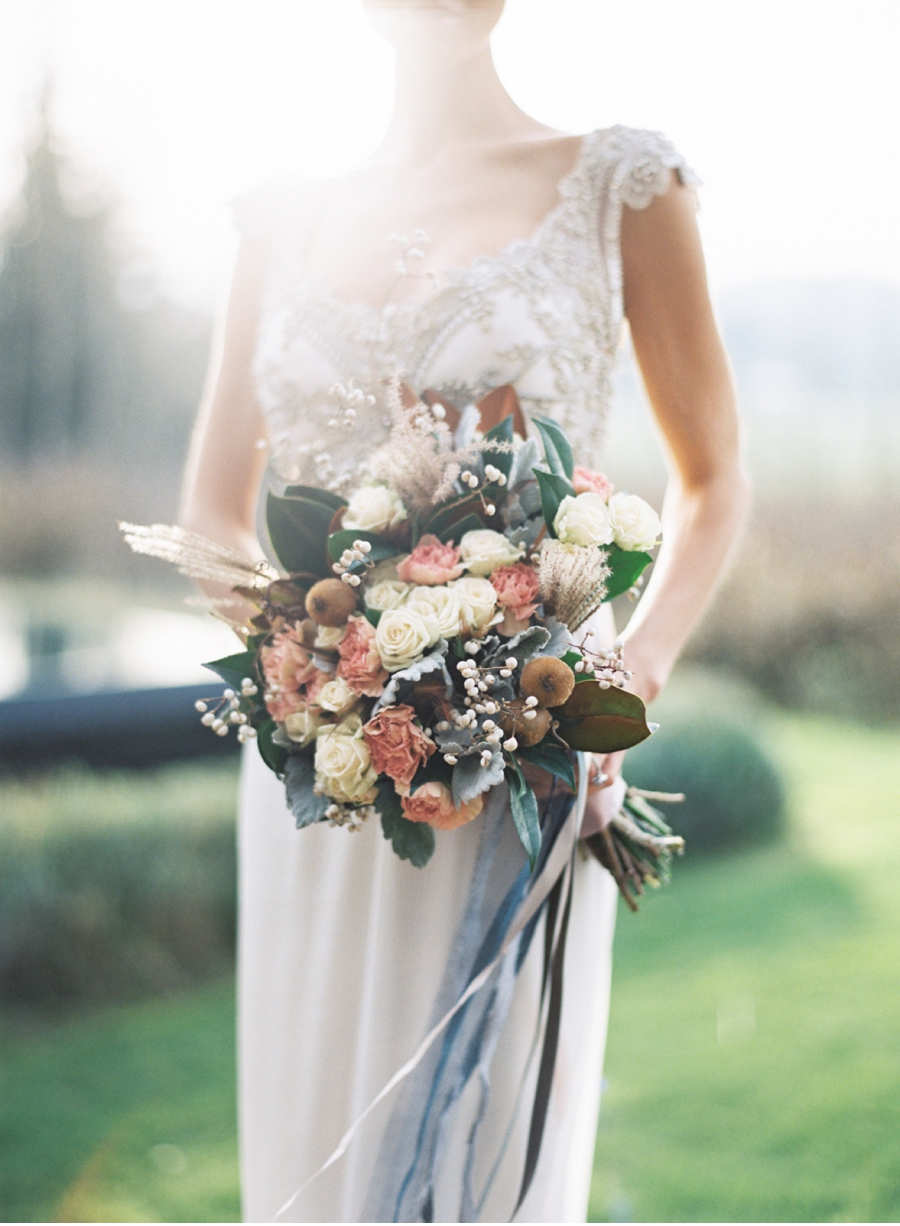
(360, 664)
(587, 482)
(433, 803)
(430, 563)
(397, 746)
(517, 587)
(287, 666)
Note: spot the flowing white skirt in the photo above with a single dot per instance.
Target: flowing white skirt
(341, 951)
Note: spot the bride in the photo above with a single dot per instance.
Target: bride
(477, 247)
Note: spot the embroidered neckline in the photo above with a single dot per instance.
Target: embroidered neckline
(451, 279)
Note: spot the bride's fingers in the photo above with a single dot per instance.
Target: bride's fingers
(605, 769)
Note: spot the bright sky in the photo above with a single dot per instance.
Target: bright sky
(789, 109)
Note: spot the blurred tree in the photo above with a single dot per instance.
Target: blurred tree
(100, 376)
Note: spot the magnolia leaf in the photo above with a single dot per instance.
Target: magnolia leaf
(501, 433)
(413, 841)
(523, 803)
(594, 720)
(470, 778)
(298, 532)
(274, 755)
(626, 565)
(553, 490)
(299, 777)
(457, 530)
(556, 447)
(344, 538)
(549, 757)
(451, 513)
(313, 493)
(233, 669)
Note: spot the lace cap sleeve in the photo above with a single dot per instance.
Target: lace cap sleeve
(644, 167)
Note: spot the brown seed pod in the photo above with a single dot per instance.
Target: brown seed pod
(330, 602)
(526, 731)
(548, 680)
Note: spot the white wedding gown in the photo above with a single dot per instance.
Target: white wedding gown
(342, 946)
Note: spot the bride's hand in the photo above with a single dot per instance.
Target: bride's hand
(604, 791)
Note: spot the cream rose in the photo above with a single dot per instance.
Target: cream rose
(478, 598)
(635, 525)
(344, 769)
(386, 595)
(329, 636)
(301, 726)
(442, 604)
(336, 696)
(483, 550)
(403, 637)
(583, 520)
(374, 508)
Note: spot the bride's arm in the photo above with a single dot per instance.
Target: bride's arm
(226, 460)
(689, 384)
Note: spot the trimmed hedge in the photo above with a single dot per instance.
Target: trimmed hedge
(140, 900)
(733, 793)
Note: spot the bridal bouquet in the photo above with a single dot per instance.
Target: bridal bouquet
(416, 643)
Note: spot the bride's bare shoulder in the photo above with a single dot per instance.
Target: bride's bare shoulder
(277, 204)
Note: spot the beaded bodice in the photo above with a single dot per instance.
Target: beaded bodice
(544, 314)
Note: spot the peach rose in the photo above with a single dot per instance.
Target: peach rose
(397, 746)
(433, 803)
(287, 666)
(587, 482)
(430, 563)
(360, 664)
(517, 587)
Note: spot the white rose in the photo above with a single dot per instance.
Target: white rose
(302, 726)
(635, 525)
(336, 696)
(329, 636)
(483, 550)
(386, 595)
(478, 599)
(440, 603)
(583, 520)
(374, 508)
(344, 769)
(403, 637)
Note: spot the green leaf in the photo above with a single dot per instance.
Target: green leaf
(298, 530)
(594, 720)
(435, 770)
(343, 539)
(501, 433)
(553, 490)
(572, 658)
(556, 447)
(373, 617)
(458, 509)
(413, 841)
(233, 669)
(627, 565)
(457, 531)
(549, 757)
(523, 803)
(313, 494)
(274, 756)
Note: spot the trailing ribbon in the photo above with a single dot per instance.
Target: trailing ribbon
(545, 878)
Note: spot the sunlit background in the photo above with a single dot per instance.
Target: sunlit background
(754, 1069)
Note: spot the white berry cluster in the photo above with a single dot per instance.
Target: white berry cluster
(353, 563)
(220, 714)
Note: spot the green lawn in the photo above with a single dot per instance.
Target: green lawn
(754, 1049)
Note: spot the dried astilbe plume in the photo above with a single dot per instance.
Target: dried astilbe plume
(573, 581)
(197, 556)
(418, 460)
